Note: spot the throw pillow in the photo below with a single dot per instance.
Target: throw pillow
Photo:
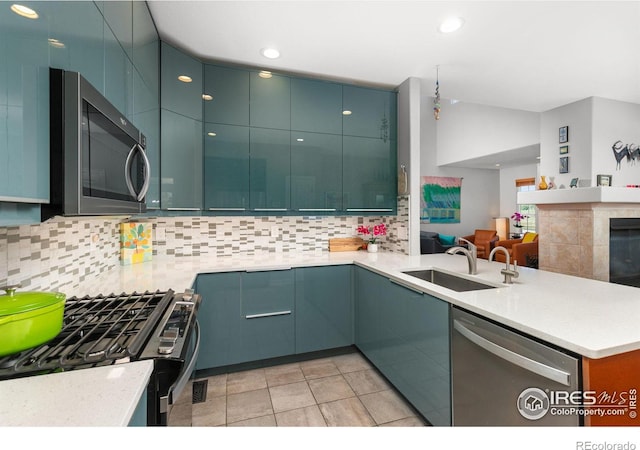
(529, 237)
(446, 239)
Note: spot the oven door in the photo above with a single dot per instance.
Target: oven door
(176, 405)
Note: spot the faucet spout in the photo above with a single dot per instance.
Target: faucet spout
(504, 250)
(507, 272)
(471, 257)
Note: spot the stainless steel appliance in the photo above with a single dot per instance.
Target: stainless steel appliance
(118, 329)
(98, 161)
(502, 378)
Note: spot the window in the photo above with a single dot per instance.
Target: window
(529, 210)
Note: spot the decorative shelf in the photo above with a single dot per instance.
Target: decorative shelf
(599, 194)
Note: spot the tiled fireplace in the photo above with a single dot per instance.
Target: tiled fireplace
(574, 225)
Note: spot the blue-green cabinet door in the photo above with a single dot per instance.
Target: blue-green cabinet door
(270, 168)
(226, 167)
(118, 74)
(369, 174)
(119, 17)
(369, 113)
(181, 82)
(316, 172)
(270, 101)
(316, 106)
(24, 106)
(371, 334)
(324, 308)
(267, 312)
(226, 93)
(181, 162)
(219, 319)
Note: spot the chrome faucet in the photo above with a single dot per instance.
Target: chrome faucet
(471, 254)
(507, 272)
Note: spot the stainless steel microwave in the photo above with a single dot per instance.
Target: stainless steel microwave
(98, 161)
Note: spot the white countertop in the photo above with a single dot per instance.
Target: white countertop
(102, 396)
(592, 318)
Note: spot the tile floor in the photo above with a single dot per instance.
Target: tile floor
(338, 391)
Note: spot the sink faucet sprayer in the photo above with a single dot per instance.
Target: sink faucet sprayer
(471, 254)
(507, 272)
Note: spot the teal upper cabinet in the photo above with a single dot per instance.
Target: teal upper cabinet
(226, 167)
(118, 74)
(270, 167)
(119, 18)
(181, 83)
(24, 105)
(181, 162)
(229, 92)
(316, 172)
(369, 113)
(270, 99)
(369, 174)
(316, 106)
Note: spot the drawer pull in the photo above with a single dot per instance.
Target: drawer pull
(277, 313)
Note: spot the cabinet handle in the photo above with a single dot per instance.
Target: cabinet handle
(182, 209)
(270, 269)
(23, 200)
(370, 209)
(227, 209)
(316, 209)
(406, 287)
(277, 313)
(270, 209)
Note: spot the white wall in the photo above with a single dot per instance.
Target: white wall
(578, 117)
(480, 192)
(613, 121)
(508, 189)
(468, 130)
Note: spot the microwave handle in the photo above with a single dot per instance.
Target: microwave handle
(147, 171)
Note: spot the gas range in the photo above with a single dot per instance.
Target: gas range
(115, 329)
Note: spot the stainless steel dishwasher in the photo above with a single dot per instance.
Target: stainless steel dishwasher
(502, 378)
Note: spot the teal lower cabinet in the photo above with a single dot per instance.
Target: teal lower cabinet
(405, 334)
(245, 316)
(139, 417)
(324, 308)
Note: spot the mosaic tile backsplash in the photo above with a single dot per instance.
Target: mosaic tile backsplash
(64, 252)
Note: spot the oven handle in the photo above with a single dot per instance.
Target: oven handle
(519, 360)
(178, 386)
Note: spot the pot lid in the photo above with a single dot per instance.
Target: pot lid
(18, 302)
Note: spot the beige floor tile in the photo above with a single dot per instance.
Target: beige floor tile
(366, 381)
(309, 416)
(408, 422)
(386, 406)
(349, 412)
(249, 380)
(264, 421)
(328, 389)
(291, 396)
(284, 374)
(319, 368)
(211, 413)
(217, 386)
(248, 405)
(351, 362)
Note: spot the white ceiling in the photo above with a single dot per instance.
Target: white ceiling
(529, 55)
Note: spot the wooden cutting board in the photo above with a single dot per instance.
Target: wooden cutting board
(345, 244)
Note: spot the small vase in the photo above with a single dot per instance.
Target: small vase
(543, 184)
(372, 248)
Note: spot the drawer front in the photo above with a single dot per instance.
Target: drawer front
(267, 293)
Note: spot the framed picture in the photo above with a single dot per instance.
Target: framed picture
(574, 183)
(564, 149)
(564, 134)
(564, 164)
(604, 180)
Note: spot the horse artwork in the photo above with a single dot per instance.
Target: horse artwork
(622, 151)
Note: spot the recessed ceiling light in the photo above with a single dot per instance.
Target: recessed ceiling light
(24, 11)
(300, 140)
(270, 53)
(451, 24)
(185, 79)
(207, 97)
(265, 74)
(211, 133)
(497, 165)
(346, 112)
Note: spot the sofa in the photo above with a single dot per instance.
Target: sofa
(523, 250)
(432, 242)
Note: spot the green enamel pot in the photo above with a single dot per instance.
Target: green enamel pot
(28, 319)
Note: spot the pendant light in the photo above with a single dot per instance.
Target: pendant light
(436, 100)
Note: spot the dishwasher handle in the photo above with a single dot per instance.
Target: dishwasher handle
(517, 359)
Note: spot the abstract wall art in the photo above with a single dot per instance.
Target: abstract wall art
(440, 199)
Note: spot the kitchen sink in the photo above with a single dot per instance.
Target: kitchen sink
(449, 281)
